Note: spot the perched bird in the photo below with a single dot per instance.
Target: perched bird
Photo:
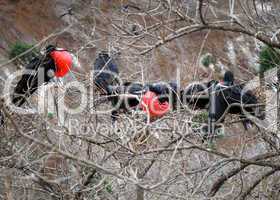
(105, 72)
(54, 63)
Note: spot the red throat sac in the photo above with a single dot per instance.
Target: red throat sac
(152, 105)
(63, 62)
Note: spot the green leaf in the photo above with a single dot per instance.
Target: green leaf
(20, 47)
(268, 58)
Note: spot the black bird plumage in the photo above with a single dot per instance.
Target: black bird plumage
(37, 73)
(105, 72)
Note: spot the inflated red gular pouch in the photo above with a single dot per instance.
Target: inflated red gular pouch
(151, 105)
(63, 62)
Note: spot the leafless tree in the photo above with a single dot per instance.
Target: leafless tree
(87, 157)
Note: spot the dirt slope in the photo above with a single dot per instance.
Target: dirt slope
(31, 21)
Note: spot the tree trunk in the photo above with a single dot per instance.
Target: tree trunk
(262, 92)
(278, 99)
(139, 193)
(8, 187)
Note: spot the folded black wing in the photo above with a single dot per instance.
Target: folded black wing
(35, 75)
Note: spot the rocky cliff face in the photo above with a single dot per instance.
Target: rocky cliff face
(28, 21)
(93, 26)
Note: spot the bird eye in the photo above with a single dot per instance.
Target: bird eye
(50, 73)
